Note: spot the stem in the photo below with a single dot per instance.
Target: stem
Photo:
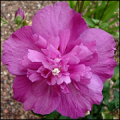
(8, 22)
(103, 12)
(81, 6)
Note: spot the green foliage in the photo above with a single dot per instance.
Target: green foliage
(101, 14)
(116, 74)
(3, 21)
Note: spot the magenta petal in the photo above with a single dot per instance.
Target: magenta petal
(51, 19)
(37, 96)
(27, 64)
(47, 101)
(64, 38)
(105, 46)
(40, 41)
(55, 41)
(51, 51)
(63, 78)
(21, 86)
(36, 56)
(16, 47)
(80, 101)
(34, 76)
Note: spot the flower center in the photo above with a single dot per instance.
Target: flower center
(55, 71)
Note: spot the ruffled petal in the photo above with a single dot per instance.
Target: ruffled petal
(38, 96)
(51, 19)
(79, 102)
(105, 46)
(36, 56)
(64, 38)
(16, 47)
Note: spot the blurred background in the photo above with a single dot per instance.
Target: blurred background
(100, 14)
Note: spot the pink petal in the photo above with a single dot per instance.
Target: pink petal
(27, 64)
(105, 46)
(64, 38)
(51, 51)
(21, 86)
(16, 47)
(34, 76)
(80, 101)
(48, 100)
(62, 79)
(36, 56)
(37, 96)
(59, 16)
(40, 41)
(55, 41)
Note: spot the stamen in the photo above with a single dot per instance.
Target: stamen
(55, 71)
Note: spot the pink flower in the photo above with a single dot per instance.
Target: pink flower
(20, 12)
(59, 62)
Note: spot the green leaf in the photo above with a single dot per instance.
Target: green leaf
(90, 117)
(4, 21)
(63, 117)
(115, 20)
(89, 13)
(113, 28)
(52, 115)
(72, 4)
(111, 8)
(103, 25)
(96, 21)
(100, 12)
(117, 103)
(114, 34)
(111, 105)
(86, 3)
(107, 116)
(89, 21)
(116, 94)
(106, 92)
(116, 73)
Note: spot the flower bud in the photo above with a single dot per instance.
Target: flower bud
(20, 12)
(19, 16)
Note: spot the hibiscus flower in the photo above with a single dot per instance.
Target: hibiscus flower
(59, 62)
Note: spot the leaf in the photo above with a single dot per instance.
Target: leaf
(107, 116)
(116, 73)
(93, 11)
(96, 21)
(106, 92)
(103, 25)
(116, 94)
(72, 4)
(114, 34)
(115, 20)
(89, 21)
(100, 12)
(52, 115)
(111, 8)
(90, 117)
(86, 3)
(111, 105)
(63, 117)
(117, 103)
(113, 28)
(116, 84)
